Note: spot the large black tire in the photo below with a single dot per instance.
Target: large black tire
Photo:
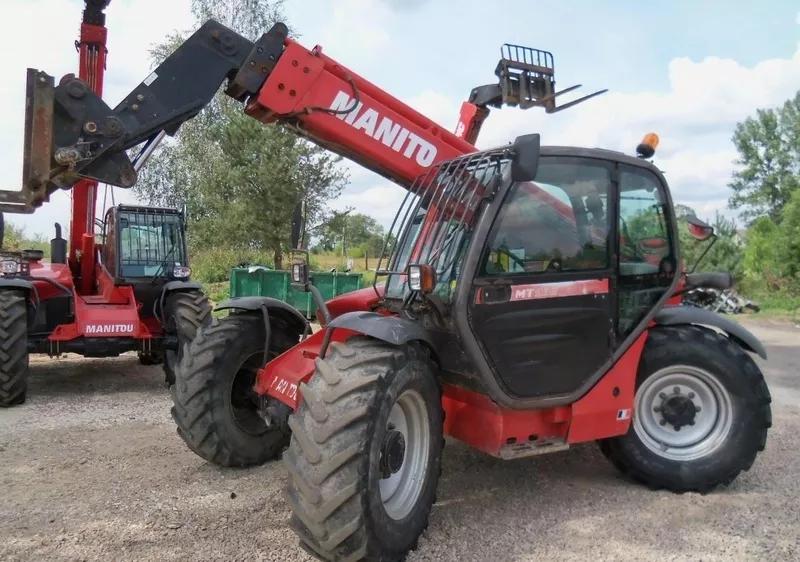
(184, 314)
(739, 401)
(13, 348)
(215, 408)
(335, 455)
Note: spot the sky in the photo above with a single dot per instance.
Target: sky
(686, 70)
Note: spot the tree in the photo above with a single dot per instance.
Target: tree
(239, 179)
(769, 160)
(346, 231)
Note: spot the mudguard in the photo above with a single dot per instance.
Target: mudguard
(390, 329)
(16, 284)
(672, 315)
(181, 286)
(291, 314)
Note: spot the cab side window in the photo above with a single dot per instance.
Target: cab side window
(646, 249)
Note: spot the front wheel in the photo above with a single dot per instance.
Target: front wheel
(701, 413)
(184, 314)
(13, 348)
(214, 405)
(365, 454)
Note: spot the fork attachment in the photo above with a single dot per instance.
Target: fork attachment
(526, 79)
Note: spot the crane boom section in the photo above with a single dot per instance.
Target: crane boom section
(276, 79)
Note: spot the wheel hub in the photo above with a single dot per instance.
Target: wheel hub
(393, 452)
(678, 410)
(682, 412)
(403, 454)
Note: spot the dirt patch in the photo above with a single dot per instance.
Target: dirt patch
(91, 469)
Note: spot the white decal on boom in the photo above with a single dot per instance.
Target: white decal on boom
(109, 328)
(393, 135)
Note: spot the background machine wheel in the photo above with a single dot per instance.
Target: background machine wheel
(13, 348)
(701, 413)
(216, 410)
(365, 454)
(184, 314)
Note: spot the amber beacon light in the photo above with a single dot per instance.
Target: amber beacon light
(647, 148)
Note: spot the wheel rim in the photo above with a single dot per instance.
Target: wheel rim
(244, 408)
(682, 413)
(404, 454)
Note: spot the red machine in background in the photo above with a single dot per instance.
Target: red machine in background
(571, 345)
(129, 292)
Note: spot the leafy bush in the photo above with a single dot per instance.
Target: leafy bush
(215, 265)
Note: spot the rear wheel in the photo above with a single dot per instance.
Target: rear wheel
(13, 348)
(701, 413)
(215, 407)
(184, 314)
(365, 454)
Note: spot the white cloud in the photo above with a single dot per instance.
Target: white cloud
(379, 201)
(355, 32)
(694, 119)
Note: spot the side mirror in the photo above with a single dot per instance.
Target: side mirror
(298, 225)
(525, 162)
(698, 229)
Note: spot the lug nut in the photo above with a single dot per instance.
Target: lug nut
(691, 395)
(657, 409)
(697, 408)
(662, 395)
(676, 390)
(662, 422)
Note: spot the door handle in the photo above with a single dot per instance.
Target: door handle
(494, 294)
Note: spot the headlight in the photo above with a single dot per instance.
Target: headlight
(181, 271)
(10, 267)
(421, 278)
(415, 278)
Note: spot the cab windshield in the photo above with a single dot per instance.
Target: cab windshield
(148, 241)
(454, 194)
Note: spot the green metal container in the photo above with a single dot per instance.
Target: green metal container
(245, 282)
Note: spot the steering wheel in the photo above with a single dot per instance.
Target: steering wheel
(638, 255)
(512, 256)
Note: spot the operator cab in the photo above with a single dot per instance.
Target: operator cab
(145, 242)
(145, 247)
(579, 254)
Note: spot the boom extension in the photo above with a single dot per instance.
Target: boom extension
(526, 78)
(71, 133)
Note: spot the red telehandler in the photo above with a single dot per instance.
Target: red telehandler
(131, 292)
(491, 326)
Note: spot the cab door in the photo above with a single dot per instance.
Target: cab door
(542, 308)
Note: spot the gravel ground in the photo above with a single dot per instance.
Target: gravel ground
(91, 469)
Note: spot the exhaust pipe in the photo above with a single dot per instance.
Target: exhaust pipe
(58, 247)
